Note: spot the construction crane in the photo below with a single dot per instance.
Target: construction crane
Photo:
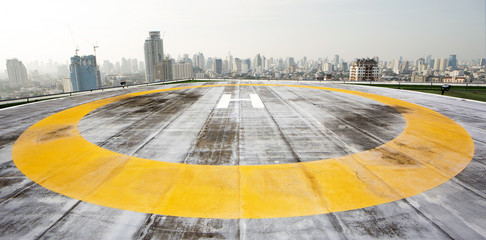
(76, 45)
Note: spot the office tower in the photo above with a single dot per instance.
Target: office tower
(364, 70)
(218, 66)
(85, 74)
(154, 54)
(453, 61)
(17, 73)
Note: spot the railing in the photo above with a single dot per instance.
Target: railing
(58, 95)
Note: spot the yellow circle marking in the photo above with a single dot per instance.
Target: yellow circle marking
(431, 150)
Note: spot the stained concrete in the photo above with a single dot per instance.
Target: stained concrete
(296, 124)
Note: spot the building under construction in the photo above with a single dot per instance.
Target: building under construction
(85, 74)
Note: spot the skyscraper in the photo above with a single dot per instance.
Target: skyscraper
(17, 73)
(154, 53)
(257, 61)
(85, 74)
(453, 61)
(218, 65)
(198, 61)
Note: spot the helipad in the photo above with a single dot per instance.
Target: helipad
(246, 155)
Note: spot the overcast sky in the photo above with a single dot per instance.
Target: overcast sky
(39, 30)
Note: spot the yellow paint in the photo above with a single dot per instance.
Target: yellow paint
(431, 150)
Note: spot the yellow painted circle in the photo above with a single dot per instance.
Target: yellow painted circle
(431, 150)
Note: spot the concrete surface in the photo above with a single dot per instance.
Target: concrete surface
(296, 125)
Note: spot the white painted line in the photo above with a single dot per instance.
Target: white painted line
(224, 101)
(256, 101)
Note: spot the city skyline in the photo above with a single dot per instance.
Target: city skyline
(315, 29)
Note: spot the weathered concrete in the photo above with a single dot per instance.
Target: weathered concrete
(296, 125)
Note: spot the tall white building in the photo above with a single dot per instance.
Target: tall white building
(396, 66)
(154, 54)
(17, 73)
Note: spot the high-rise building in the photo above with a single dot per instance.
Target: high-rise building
(198, 61)
(108, 67)
(126, 65)
(237, 66)
(405, 67)
(218, 66)
(364, 70)
(443, 64)
(336, 60)
(453, 61)
(168, 70)
(154, 53)
(230, 62)
(163, 71)
(209, 63)
(257, 61)
(396, 66)
(85, 74)
(17, 73)
(440, 64)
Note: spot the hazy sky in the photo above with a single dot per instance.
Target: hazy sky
(38, 30)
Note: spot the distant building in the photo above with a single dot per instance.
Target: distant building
(67, 85)
(182, 71)
(237, 65)
(257, 61)
(154, 54)
(198, 61)
(453, 61)
(163, 71)
(396, 66)
(364, 70)
(218, 66)
(85, 74)
(167, 71)
(17, 73)
(440, 64)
